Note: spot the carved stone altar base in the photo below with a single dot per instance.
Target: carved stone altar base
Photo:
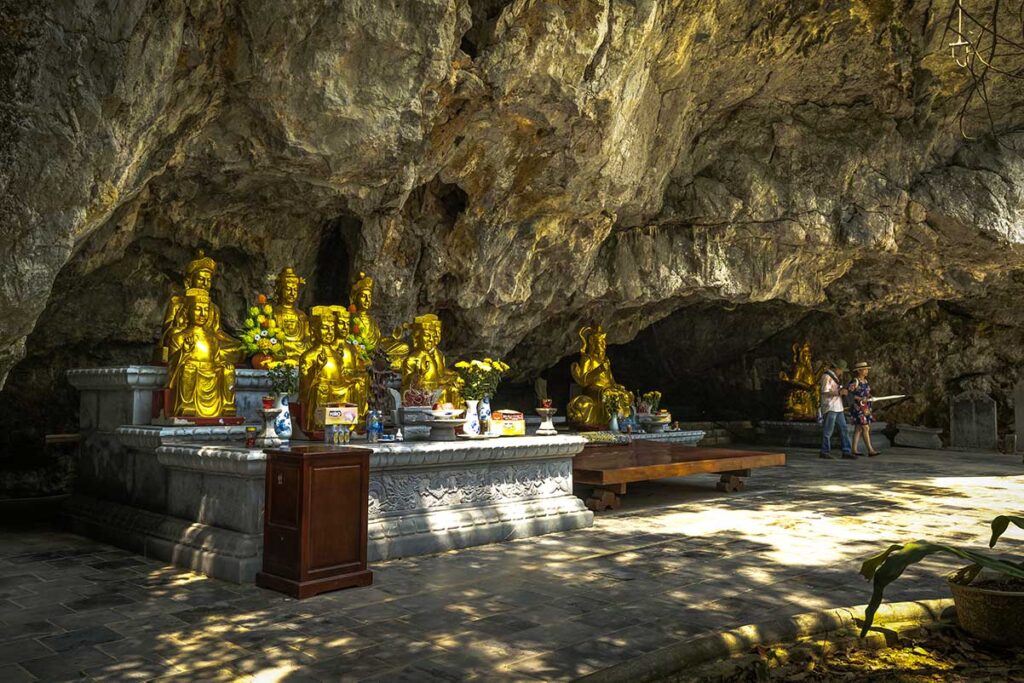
(190, 496)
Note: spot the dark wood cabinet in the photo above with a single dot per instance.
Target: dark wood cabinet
(315, 520)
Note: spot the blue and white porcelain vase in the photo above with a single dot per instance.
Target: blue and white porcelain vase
(485, 414)
(283, 423)
(471, 426)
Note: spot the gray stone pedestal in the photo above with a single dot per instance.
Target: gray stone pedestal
(808, 434)
(193, 496)
(973, 422)
(1018, 414)
(918, 437)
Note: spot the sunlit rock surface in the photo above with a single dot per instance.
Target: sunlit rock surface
(520, 167)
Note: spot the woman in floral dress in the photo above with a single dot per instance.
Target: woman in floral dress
(860, 407)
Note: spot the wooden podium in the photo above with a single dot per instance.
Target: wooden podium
(315, 519)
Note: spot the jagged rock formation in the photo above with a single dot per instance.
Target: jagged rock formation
(519, 167)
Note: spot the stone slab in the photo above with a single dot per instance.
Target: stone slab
(690, 437)
(918, 437)
(973, 421)
(113, 397)
(808, 434)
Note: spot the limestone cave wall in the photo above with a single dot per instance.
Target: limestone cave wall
(520, 167)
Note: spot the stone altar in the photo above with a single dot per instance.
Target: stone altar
(972, 421)
(808, 434)
(193, 496)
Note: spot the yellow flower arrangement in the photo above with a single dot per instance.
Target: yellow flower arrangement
(481, 377)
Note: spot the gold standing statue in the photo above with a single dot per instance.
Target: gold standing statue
(424, 367)
(200, 379)
(290, 319)
(353, 364)
(802, 398)
(321, 374)
(593, 372)
(361, 299)
(198, 275)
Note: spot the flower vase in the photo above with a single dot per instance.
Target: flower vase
(283, 422)
(471, 426)
(613, 425)
(261, 361)
(485, 414)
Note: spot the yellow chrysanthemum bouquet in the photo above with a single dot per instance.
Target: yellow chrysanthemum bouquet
(261, 336)
(480, 377)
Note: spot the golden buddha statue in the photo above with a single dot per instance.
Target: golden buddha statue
(198, 275)
(321, 374)
(290, 320)
(200, 379)
(424, 367)
(593, 373)
(361, 299)
(352, 360)
(802, 397)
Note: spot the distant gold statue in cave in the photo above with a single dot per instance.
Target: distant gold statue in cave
(200, 379)
(424, 367)
(291, 320)
(321, 374)
(593, 373)
(362, 322)
(198, 275)
(802, 397)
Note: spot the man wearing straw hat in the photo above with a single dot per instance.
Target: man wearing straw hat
(832, 412)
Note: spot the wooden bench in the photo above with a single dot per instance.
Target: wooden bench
(608, 469)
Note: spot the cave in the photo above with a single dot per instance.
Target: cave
(224, 225)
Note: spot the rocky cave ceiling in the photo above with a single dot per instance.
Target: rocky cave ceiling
(519, 166)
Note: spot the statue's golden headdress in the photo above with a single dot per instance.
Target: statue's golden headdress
(318, 315)
(427, 321)
(363, 284)
(339, 312)
(197, 294)
(588, 334)
(201, 262)
(288, 274)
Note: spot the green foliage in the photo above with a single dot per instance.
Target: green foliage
(887, 566)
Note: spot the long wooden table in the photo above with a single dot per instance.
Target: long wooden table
(608, 469)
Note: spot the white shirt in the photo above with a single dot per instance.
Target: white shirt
(831, 401)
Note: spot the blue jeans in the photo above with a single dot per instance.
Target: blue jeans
(831, 419)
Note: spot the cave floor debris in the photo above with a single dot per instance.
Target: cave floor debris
(676, 561)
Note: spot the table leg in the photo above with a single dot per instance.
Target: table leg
(732, 481)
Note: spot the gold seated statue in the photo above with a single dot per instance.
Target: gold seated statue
(802, 396)
(293, 323)
(199, 275)
(424, 367)
(201, 380)
(322, 378)
(593, 373)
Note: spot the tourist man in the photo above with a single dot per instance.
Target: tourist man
(832, 413)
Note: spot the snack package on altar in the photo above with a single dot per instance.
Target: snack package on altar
(341, 414)
(508, 423)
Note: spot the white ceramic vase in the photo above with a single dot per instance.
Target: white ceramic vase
(283, 422)
(472, 424)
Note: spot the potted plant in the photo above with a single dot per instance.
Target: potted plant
(284, 381)
(480, 379)
(615, 402)
(261, 336)
(988, 593)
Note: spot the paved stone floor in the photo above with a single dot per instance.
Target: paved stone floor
(677, 561)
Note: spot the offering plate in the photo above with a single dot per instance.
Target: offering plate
(443, 430)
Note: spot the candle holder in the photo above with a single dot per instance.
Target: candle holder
(269, 438)
(547, 427)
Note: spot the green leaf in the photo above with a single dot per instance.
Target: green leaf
(889, 565)
(1001, 523)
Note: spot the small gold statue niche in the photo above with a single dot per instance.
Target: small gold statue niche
(593, 373)
(802, 395)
